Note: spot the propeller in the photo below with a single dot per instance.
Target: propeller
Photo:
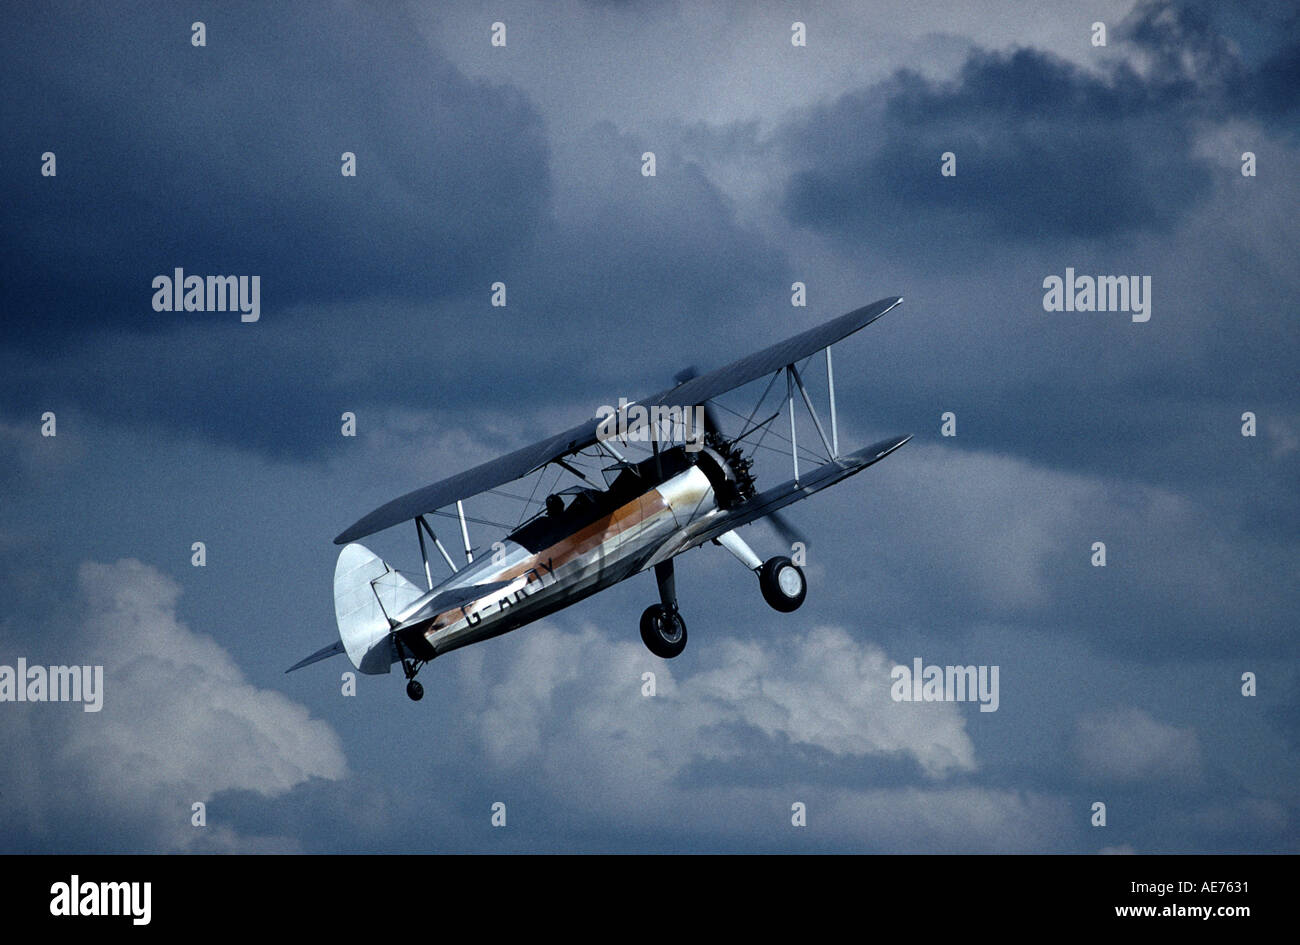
(780, 524)
(711, 424)
(686, 374)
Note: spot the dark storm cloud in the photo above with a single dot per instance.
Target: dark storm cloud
(1044, 151)
(1131, 168)
(654, 262)
(648, 263)
(374, 289)
(1247, 53)
(226, 159)
(1183, 43)
(1275, 91)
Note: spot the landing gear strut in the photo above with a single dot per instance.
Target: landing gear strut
(410, 666)
(662, 628)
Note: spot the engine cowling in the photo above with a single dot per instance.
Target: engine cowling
(728, 470)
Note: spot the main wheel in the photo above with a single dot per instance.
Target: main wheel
(415, 690)
(783, 584)
(663, 631)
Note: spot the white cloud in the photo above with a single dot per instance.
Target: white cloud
(1127, 744)
(826, 690)
(179, 723)
(568, 709)
(1013, 535)
(992, 525)
(819, 689)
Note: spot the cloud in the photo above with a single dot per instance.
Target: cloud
(953, 819)
(819, 689)
(180, 722)
(1179, 44)
(1044, 149)
(375, 290)
(1256, 818)
(227, 159)
(713, 751)
(1000, 537)
(1127, 744)
(1047, 150)
(953, 550)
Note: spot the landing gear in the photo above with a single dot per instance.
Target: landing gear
(662, 628)
(410, 666)
(663, 631)
(783, 584)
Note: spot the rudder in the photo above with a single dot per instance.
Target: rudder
(366, 592)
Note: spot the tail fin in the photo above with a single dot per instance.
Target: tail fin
(367, 591)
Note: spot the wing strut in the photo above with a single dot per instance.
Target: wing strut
(421, 520)
(464, 531)
(811, 412)
(620, 461)
(577, 472)
(789, 393)
(424, 554)
(830, 383)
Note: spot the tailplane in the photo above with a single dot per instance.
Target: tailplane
(367, 592)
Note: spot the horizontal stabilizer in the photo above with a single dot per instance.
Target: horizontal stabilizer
(457, 596)
(323, 653)
(416, 625)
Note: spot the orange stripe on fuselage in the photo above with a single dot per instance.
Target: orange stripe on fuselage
(562, 552)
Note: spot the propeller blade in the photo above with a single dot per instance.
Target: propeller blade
(787, 531)
(711, 424)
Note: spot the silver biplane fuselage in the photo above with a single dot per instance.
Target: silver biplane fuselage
(620, 541)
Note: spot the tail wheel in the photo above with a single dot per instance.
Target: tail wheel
(663, 631)
(783, 584)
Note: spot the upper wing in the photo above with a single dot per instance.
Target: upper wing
(694, 391)
(486, 476)
(707, 386)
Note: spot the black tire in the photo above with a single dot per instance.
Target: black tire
(776, 580)
(415, 690)
(663, 631)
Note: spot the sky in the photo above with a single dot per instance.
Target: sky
(775, 163)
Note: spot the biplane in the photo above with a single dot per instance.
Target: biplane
(594, 534)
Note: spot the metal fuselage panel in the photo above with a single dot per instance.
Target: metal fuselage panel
(613, 547)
